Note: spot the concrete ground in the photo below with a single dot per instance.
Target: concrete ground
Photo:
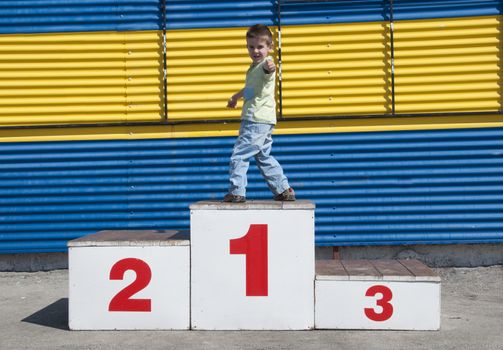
(33, 310)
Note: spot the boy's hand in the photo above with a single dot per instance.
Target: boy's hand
(233, 101)
(269, 66)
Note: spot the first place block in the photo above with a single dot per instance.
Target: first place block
(130, 280)
(252, 265)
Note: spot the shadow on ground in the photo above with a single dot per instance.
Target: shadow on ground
(54, 315)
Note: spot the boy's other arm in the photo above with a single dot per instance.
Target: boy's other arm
(234, 98)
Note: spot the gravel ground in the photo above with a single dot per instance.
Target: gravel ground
(34, 316)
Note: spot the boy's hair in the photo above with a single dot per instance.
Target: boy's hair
(260, 31)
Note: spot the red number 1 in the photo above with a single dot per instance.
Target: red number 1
(254, 246)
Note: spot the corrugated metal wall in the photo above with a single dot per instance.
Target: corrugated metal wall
(341, 69)
(76, 78)
(61, 16)
(424, 9)
(204, 69)
(369, 188)
(53, 73)
(186, 14)
(350, 11)
(206, 54)
(441, 65)
(448, 65)
(336, 58)
(98, 61)
(332, 67)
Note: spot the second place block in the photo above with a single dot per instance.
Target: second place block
(252, 265)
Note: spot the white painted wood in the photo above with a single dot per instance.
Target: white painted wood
(341, 305)
(219, 299)
(253, 204)
(91, 289)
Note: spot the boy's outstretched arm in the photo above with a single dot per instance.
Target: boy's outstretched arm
(233, 101)
(269, 66)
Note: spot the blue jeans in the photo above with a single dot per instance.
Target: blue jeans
(255, 140)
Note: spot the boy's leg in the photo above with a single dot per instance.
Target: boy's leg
(247, 145)
(268, 165)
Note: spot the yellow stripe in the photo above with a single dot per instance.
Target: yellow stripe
(231, 129)
(205, 67)
(97, 77)
(448, 65)
(338, 69)
(442, 65)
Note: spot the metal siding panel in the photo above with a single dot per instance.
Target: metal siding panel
(56, 16)
(295, 12)
(375, 188)
(327, 70)
(81, 78)
(448, 65)
(190, 14)
(204, 69)
(329, 12)
(425, 9)
(341, 69)
(46, 16)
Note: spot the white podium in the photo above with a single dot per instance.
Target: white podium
(129, 280)
(247, 266)
(376, 294)
(252, 265)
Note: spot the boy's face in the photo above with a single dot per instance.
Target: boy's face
(258, 49)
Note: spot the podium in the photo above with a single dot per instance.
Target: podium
(245, 266)
(129, 280)
(376, 294)
(252, 265)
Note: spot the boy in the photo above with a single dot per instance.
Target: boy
(258, 118)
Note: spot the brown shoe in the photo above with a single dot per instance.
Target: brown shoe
(287, 195)
(233, 198)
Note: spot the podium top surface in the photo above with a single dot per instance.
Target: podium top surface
(254, 205)
(133, 238)
(365, 270)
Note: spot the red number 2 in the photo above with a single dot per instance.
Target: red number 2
(254, 246)
(122, 301)
(387, 308)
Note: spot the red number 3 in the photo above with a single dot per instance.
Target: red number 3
(387, 308)
(122, 301)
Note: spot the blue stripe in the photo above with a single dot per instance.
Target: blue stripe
(427, 9)
(304, 12)
(351, 11)
(219, 14)
(374, 188)
(49, 16)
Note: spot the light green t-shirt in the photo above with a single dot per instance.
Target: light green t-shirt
(260, 104)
